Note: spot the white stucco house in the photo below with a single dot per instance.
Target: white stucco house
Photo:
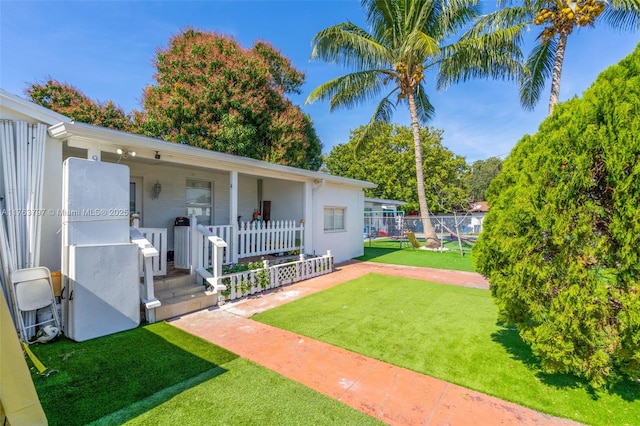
(169, 180)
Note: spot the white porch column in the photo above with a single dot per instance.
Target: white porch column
(309, 224)
(233, 215)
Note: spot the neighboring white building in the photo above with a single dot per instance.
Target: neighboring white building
(380, 204)
(382, 218)
(170, 180)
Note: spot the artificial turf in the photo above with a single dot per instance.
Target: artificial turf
(386, 250)
(246, 394)
(450, 333)
(157, 374)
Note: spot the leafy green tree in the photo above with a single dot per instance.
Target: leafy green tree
(557, 20)
(212, 93)
(481, 174)
(407, 39)
(560, 243)
(67, 100)
(389, 162)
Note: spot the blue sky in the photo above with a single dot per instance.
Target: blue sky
(106, 49)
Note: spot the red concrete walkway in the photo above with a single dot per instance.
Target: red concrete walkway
(394, 395)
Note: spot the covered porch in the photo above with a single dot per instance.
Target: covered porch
(237, 208)
(177, 204)
(191, 214)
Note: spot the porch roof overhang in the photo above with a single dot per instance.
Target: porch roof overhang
(81, 135)
(384, 201)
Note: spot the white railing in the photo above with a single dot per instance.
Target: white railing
(254, 281)
(147, 253)
(158, 238)
(207, 251)
(251, 239)
(225, 232)
(275, 236)
(201, 248)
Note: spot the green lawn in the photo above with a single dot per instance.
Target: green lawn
(386, 250)
(159, 375)
(451, 333)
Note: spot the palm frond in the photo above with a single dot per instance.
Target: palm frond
(351, 89)
(382, 17)
(425, 108)
(533, 5)
(431, 23)
(350, 46)
(419, 45)
(385, 109)
(456, 15)
(623, 14)
(495, 55)
(538, 67)
(382, 115)
(419, 16)
(518, 17)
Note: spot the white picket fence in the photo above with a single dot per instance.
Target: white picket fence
(253, 239)
(254, 281)
(275, 236)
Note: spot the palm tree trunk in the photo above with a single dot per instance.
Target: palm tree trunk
(557, 70)
(431, 238)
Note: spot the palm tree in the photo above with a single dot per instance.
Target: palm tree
(408, 38)
(557, 19)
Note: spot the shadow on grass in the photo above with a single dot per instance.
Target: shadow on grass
(101, 376)
(138, 408)
(509, 338)
(374, 252)
(452, 244)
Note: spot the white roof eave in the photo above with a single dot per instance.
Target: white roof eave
(105, 138)
(24, 107)
(384, 201)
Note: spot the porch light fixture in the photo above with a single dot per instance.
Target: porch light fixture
(157, 189)
(124, 153)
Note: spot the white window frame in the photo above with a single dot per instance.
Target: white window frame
(329, 212)
(196, 205)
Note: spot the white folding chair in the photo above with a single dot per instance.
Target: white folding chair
(33, 290)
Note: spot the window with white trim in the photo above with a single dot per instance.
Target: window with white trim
(334, 218)
(200, 200)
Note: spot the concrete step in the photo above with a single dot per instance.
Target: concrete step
(188, 300)
(161, 284)
(178, 290)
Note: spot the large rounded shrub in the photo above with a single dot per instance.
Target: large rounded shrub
(561, 244)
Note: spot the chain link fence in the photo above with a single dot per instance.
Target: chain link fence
(383, 223)
(446, 225)
(393, 224)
